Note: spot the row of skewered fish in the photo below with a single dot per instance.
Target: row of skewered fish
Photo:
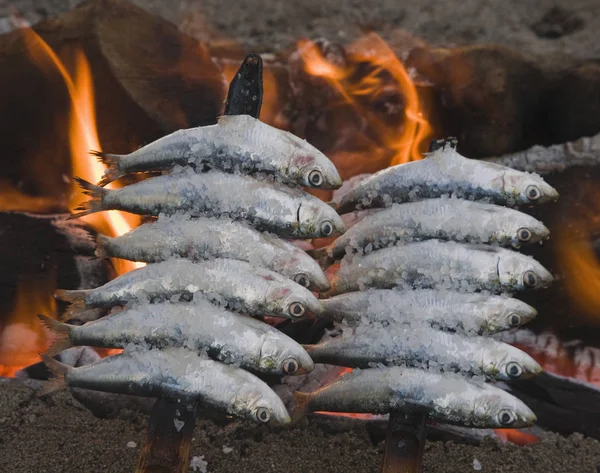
(446, 277)
(211, 259)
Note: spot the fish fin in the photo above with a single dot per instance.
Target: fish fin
(62, 334)
(112, 161)
(94, 204)
(321, 255)
(102, 242)
(302, 400)
(59, 370)
(308, 347)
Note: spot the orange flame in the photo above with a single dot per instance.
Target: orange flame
(516, 436)
(82, 133)
(386, 72)
(579, 264)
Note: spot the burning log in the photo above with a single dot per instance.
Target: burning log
(555, 158)
(151, 81)
(245, 92)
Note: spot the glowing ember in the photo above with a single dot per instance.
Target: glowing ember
(23, 336)
(384, 74)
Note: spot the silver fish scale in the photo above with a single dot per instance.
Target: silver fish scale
(440, 265)
(470, 313)
(177, 374)
(445, 398)
(206, 238)
(445, 172)
(234, 283)
(267, 206)
(447, 219)
(229, 337)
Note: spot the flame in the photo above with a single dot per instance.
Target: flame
(580, 266)
(385, 74)
(516, 436)
(23, 336)
(83, 135)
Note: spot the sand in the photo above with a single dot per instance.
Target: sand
(59, 435)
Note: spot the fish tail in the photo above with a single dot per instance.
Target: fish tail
(59, 370)
(302, 401)
(62, 334)
(322, 256)
(75, 296)
(96, 193)
(112, 161)
(102, 242)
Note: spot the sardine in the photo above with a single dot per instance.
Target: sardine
(446, 398)
(420, 345)
(445, 219)
(227, 336)
(441, 265)
(267, 206)
(445, 172)
(206, 238)
(235, 284)
(178, 374)
(235, 144)
(470, 313)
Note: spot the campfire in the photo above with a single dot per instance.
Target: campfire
(367, 106)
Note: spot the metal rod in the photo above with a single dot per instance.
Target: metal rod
(168, 439)
(405, 443)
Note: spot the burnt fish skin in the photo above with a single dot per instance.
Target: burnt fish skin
(445, 219)
(228, 337)
(178, 374)
(465, 312)
(444, 397)
(207, 238)
(445, 172)
(368, 346)
(238, 143)
(270, 206)
(235, 284)
(445, 265)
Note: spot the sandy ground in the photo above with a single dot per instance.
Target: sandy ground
(58, 435)
(559, 28)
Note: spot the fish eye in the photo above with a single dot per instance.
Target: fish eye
(290, 366)
(315, 178)
(326, 228)
(506, 417)
(514, 369)
(302, 279)
(533, 193)
(263, 414)
(530, 279)
(296, 309)
(514, 320)
(524, 234)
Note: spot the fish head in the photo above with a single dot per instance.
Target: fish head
(316, 219)
(506, 313)
(292, 301)
(505, 362)
(304, 270)
(257, 402)
(524, 229)
(527, 189)
(282, 355)
(310, 167)
(495, 408)
(519, 272)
